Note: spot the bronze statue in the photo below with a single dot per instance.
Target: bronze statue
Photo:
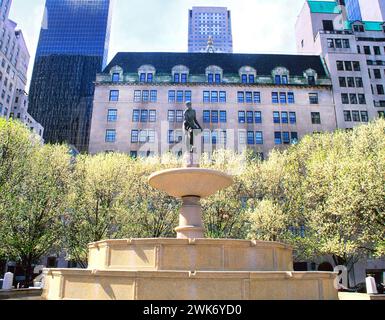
(190, 124)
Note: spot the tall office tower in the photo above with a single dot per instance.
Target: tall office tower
(72, 48)
(210, 23)
(367, 10)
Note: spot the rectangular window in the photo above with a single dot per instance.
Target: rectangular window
(340, 65)
(134, 136)
(210, 78)
(154, 96)
(344, 98)
(361, 98)
(359, 83)
(116, 77)
(206, 116)
(176, 77)
(290, 97)
(223, 116)
(244, 78)
(377, 50)
(241, 116)
(347, 116)
(241, 97)
(242, 137)
(258, 137)
(206, 137)
(377, 73)
(286, 137)
(137, 96)
(257, 97)
(353, 98)
(214, 116)
(179, 116)
(171, 116)
(364, 116)
(136, 116)
(152, 116)
(214, 137)
(223, 137)
(250, 116)
(285, 80)
(276, 117)
(217, 78)
(315, 118)
(112, 115)
(348, 66)
(142, 77)
(313, 98)
(342, 82)
(114, 95)
(380, 89)
(151, 136)
(285, 117)
(179, 96)
(222, 97)
(144, 116)
(188, 96)
(367, 50)
(206, 96)
(250, 137)
(274, 97)
(171, 96)
(356, 116)
(338, 43)
(346, 43)
(294, 137)
(251, 78)
(356, 66)
(150, 77)
(258, 117)
(351, 83)
(145, 96)
(170, 137)
(214, 97)
(249, 97)
(293, 118)
(110, 136)
(330, 43)
(277, 79)
(184, 78)
(277, 138)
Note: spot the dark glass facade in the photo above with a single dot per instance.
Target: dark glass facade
(353, 10)
(76, 27)
(72, 48)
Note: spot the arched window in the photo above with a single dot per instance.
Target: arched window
(247, 74)
(146, 73)
(180, 74)
(214, 74)
(281, 75)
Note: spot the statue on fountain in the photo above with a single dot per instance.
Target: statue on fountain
(190, 125)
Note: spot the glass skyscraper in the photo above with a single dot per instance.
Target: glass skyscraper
(353, 10)
(72, 49)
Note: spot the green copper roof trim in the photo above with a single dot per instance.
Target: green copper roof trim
(324, 7)
(368, 25)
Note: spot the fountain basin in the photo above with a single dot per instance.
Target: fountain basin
(184, 182)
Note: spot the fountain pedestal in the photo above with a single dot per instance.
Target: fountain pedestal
(189, 267)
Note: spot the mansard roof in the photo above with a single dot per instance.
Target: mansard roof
(229, 62)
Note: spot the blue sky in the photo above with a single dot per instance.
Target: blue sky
(162, 25)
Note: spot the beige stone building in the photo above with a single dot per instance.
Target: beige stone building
(243, 101)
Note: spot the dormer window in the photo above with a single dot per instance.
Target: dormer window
(214, 74)
(247, 74)
(358, 28)
(146, 73)
(180, 74)
(281, 75)
(311, 77)
(116, 74)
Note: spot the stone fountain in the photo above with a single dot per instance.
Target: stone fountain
(189, 267)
